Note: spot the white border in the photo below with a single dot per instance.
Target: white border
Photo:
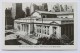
(54, 47)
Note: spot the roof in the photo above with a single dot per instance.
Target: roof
(55, 19)
(44, 12)
(63, 13)
(27, 18)
(57, 13)
(48, 21)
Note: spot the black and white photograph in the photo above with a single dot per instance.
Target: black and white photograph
(39, 26)
(39, 23)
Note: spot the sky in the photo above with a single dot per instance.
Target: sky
(24, 5)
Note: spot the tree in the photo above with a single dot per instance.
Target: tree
(48, 41)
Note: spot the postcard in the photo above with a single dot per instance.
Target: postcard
(40, 26)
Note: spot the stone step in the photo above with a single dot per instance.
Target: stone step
(23, 43)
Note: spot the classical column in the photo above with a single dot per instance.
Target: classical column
(29, 28)
(22, 27)
(69, 29)
(25, 27)
(19, 27)
(42, 30)
(58, 32)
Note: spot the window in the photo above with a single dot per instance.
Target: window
(54, 30)
(47, 30)
(43, 29)
(61, 17)
(18, 27)
(66, 17)
(38, 28)
(63, 21)
(37, 34)
(44, 16)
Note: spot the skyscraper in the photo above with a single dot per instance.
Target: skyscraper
(27, 11)
(40, 7)
(8, 16)
(33, 7)
(45, 7)
(65, 8)
(61, 8)
(17, 11)
(57, 7)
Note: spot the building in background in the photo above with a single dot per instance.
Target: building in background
(65, 8)
(44, 6)
(8, 18)
(62, 8)
(33, 7)
(41, 8)
(17, 11)
(27, 11)
(57, 8)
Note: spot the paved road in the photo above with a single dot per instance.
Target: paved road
(11, 39)
(12, 42)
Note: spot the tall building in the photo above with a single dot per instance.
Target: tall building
(68, 8)
(13, 10)
(27, 11)
(8, 16)
(61, 8)
(40, 7)
(17, 11)
(33, 7)
(57, 8)
(65, 8)
(45, 7)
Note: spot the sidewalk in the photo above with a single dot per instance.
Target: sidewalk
(27, 39)
(22, 42)
(10, 37)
